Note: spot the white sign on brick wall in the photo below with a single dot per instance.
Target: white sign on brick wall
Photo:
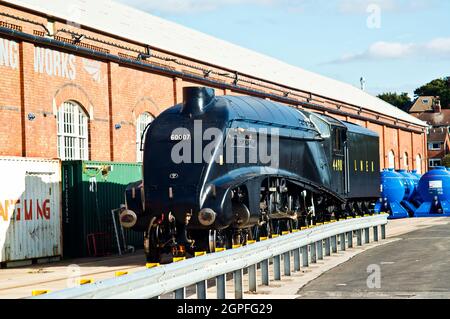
(9, 54)
(54, 63)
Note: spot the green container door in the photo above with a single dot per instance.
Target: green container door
(91, 190)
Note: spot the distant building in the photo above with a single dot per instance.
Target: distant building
(429, 110)
(438, 145)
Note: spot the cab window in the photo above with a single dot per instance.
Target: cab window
(322, 126)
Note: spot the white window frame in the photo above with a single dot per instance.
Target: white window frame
(73, 134)
(406, 161)
(435, 162)
(432, 148)
(141, 124)
(391, 160)
(419, 164)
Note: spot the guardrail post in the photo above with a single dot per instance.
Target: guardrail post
(334, 244)
(252, 278)
(342, 239)
(265, 272)
(287, 263)
(327, 247)
(375, 233)
(238, 291)
(359, 236)
(221, 289)
(201, 290)
(367, 236)
(305, 256)
(297, 259)
(313, 253)
(180, 293)
(350, 239)
(277, 267)
(320, 250)
(383, 232)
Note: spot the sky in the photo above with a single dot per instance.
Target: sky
(395, 45)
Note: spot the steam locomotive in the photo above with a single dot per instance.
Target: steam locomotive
(220, 171)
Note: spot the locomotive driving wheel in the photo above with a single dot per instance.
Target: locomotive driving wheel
(156, 247)
(153, 245)
(212, 240)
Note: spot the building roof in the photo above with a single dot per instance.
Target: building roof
(136, 25)
(423, 104)
(438, 135)
(435, 119)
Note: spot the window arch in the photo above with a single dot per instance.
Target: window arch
(419, 164)
(141, 124)
(391, 160)
(406, 161)
(73, 136)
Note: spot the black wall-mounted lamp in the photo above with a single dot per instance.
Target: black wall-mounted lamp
(78, 38)
(31, 116)
(146, 55)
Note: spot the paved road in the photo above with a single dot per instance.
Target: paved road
(418, 266)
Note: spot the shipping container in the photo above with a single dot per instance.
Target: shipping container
(30, 210)
(91, 190)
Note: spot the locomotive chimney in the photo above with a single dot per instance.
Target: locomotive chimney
(196, 100)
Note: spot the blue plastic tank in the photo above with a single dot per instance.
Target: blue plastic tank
(392, 186)
(434, 189)
(409, 184)
(392, 194)
(416, 175)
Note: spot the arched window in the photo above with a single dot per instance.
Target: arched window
(406, 161)
(391, 159)
(73, 143)
(142, 122)
(419, 164)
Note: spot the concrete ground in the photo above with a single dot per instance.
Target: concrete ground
(414, 262)
(417, 266)
(344, 274)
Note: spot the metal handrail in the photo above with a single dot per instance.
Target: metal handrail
(176, 277)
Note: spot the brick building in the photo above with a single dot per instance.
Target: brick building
(429, 110)
(81, 79)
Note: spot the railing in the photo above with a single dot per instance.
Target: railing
(306, 246)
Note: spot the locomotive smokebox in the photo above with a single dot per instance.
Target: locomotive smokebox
(196, 100)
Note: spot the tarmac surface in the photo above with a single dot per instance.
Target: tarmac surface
(417, 266)
(414, 263)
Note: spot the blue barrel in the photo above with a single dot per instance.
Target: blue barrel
(417, 175)
(409, 184)
(392, 186)
(435, 185)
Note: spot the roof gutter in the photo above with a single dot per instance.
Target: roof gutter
(185, 76)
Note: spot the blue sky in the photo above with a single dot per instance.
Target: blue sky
(396, 45)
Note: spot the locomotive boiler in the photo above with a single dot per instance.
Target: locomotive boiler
(219, 171)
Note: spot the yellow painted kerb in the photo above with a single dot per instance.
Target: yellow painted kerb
(121, 273)
(35, 293)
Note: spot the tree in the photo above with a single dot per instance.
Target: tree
(438, 87)
(446, 161)
(402, 101)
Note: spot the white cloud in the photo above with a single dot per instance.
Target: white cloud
(439, 47)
